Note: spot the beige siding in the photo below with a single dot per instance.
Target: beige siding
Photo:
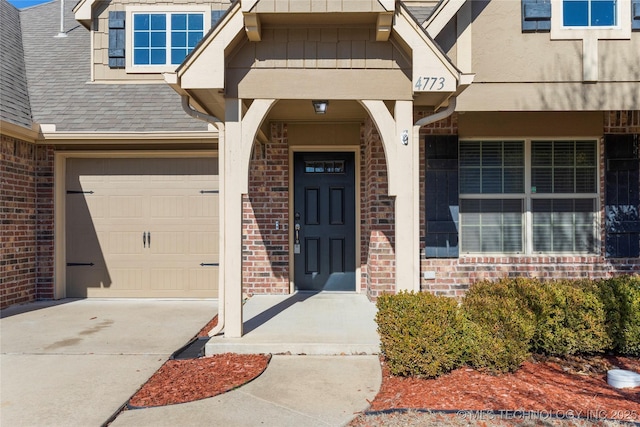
(101, 70)
(328, 47)
(306, 6)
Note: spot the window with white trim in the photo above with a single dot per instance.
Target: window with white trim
(589, 13)
(528, 197)
(161, 39)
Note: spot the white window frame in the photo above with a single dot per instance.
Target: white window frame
(131, 10)
(527, 196)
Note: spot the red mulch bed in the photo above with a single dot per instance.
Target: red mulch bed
(180, 381)
(549, 385)
(541, 384)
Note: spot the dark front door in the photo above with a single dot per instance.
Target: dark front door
(324, 221)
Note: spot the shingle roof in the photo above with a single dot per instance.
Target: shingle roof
(14, 96)
(58, 74)
(420, 13)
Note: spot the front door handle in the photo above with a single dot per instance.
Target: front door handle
(149, 238)
(144, 239)
(297, 235)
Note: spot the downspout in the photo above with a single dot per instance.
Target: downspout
(439, 115)
(220, 125)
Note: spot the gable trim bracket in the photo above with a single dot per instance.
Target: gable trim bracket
(252, 26)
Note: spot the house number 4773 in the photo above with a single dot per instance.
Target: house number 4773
(429, 83)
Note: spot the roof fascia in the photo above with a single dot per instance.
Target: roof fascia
(82, 12)
(13, 130)
(421, 37)
(143, 138)
(210, 61)
(445, 11)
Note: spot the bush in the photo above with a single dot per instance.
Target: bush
(501, 326)
(570, 318)
(421, 334)
(621, 298)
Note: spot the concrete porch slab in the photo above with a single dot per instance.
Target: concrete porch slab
(326, 323)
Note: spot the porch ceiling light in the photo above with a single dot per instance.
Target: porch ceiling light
(320, 107)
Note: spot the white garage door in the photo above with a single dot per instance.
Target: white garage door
(140, 227)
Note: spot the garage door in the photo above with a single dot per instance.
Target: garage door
(139, 227)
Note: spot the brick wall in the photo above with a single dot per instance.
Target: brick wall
(26, 256)
(454, 276)
(45, 226)
(265, 250)
(377, 210)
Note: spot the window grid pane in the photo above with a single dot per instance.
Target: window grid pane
(492, 225)
(491, 167)
(151, 31)
(563, 167)
(585, 13)
(564, 225)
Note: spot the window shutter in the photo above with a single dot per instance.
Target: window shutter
(441, 196)
(116, 39)
(622, 219)
(635, 15)
(536, 16)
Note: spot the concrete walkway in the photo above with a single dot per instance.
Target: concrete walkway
(75, 362)
(293, 391)
(326, 323)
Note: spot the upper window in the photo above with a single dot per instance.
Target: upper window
(589, 13)
(165, 38)
(160, 37)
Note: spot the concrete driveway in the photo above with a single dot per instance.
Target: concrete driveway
(75, 362)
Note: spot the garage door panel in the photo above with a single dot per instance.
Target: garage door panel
(203, 278)
(128, 278)
(123, 243)
(83, 280)
(204, 243)
(168, 243)
(128, 197)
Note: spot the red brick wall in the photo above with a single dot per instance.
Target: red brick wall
(265, 250)
(45, 226)
(454, 276)
(26, 261)
(377, 216)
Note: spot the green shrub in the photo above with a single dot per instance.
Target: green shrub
(621, 298)
(421, 334)
(501, 326)
(570, 318)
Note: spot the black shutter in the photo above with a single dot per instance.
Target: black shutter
(622, 219)
(441, 196)
(116, 39)
(635, 15)
(536, 16)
